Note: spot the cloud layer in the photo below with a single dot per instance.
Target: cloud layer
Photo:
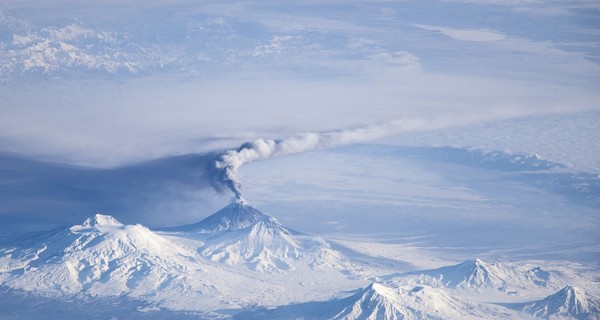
(109, 84)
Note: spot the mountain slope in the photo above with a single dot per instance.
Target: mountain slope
(263, 247)
(73, 47)
(242, 235)
(381, 302)
(237, 215)
(477, 275)
(568, 302)
(103, 257)
(100, 249)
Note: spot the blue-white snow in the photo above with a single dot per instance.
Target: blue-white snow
(243, 263)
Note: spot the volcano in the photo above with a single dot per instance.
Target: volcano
(378, 301)
(102, 258)
(235, 216)
(568, 302)
(478, 275)
(241, 235)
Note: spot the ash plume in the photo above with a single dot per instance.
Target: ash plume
(230, 162)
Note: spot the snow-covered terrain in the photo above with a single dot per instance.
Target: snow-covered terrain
(569, 302)
(72, 47)
(244, 260)
(239, 234)
(102, 258)
(380, 302)
(477, 275)
(173, 269)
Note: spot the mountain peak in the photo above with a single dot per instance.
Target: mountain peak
(379, 289)
(569, 289)
(241, 200)
(101, 220)
(568, 301)
(474, 263)
(235, 216)
(571, 295)
(378, 301)
(477, 275)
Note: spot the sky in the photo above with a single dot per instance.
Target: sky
(93, 90)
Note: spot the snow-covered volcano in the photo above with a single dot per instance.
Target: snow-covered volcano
(235, 216)
(102, 257)
(242, 235)
(378, 301)
(101, 248)
(383, 302)
(568, 302)
(478, 275)
(179, 270)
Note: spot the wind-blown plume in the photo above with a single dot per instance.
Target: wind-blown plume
(230, 162)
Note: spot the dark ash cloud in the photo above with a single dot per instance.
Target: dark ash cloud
(157, 193)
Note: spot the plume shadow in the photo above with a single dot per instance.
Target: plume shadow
(35, 193)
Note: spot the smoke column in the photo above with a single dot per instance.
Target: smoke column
(229, 163)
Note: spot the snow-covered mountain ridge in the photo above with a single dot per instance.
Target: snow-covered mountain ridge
(237, 215)
(102, 257)
(242, 235)
(243, 259)
(569, 302)
(72, 47)
(478, 275)
(378, 301)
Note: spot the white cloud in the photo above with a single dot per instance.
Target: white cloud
(99, 123)
(479, 35)
(401, 59)
(284, 44)
(570, 139)
(250, 70)
(538, 7)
